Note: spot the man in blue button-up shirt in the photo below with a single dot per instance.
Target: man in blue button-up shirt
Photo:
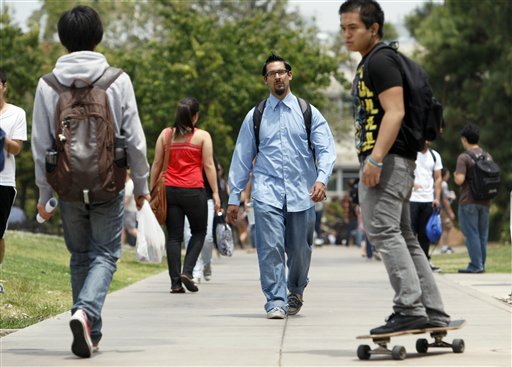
(286, 184)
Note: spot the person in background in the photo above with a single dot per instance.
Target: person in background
(92, 232)
(473, 214)
(130, 213)
(426, 195)
(191, 150)
(203, 267)
(13, 122)
(447, 214)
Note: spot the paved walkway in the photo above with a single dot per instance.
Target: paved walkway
(224, 323)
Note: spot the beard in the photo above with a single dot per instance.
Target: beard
(280, 91)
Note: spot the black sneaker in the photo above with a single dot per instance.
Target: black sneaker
(295, 302)
(398, 322)
(437, 323)
(189, 283)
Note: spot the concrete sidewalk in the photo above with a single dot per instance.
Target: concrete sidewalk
(224, 323)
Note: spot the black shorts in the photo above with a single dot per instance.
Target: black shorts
(7, 196)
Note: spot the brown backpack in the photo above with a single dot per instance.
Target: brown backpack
(88, 162)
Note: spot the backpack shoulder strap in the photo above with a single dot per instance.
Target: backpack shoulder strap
(109, 76)
(305, 107)
(473, 155)
(54, 83)
(256, 120)
(167, 147)
(433, 156)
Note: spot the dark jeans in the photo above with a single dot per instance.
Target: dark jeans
(193, 204)
(420, 213)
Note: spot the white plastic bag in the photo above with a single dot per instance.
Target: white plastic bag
(150, 244)
(223, 236)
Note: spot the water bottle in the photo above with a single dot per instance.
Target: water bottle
(120, 152)
(49, 207)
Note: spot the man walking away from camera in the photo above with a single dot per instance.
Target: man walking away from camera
(92, 232)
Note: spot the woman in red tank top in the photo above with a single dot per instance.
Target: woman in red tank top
(191, 150)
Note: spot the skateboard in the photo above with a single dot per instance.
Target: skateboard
(398, 352)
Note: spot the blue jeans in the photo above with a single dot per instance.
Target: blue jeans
(206, 252)
(93, 237)
(387, 221)
(474, 224)
(280, 233)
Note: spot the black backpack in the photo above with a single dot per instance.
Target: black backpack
(258, 114)
(423, 113)
(485, 179)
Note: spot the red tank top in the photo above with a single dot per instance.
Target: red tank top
(185, 165)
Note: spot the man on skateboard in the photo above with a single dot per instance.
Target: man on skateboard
(387, 172)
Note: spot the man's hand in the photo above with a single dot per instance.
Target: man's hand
(435, 204)
(371, 175)
(317, 192)
(232, 214)
(43, 213)
(139, 200)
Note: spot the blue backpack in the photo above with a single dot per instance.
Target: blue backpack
(2, 154)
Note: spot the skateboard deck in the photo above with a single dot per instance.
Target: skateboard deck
(422, 345)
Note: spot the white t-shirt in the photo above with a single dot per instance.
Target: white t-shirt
(424, 176)
(14, 122)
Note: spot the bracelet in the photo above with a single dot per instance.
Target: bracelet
(371, 162)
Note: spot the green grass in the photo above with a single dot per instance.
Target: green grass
(35, 274)
(499, 259)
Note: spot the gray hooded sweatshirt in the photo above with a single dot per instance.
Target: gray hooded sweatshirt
(88, 65)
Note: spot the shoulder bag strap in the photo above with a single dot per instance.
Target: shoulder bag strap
(167, 148)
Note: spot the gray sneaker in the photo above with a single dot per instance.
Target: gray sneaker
(207, 272)
(276, 313)
(295, 302)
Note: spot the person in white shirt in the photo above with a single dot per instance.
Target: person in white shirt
(14, 123)
(426, 194)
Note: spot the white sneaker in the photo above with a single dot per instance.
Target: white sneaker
(276, 313)
(82, 344)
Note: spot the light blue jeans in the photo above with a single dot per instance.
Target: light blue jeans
(474, 224)
(93, 237)
(281, 234)
(206, 252)
(387, 221)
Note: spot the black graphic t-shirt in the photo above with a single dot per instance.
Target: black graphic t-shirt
(384, 69)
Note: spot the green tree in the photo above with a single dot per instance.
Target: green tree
(213, 50)
(467, 51)
(21, 59)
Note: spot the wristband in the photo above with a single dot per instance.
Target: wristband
(371, 162)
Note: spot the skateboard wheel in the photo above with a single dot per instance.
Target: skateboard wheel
(422, 345)
(363, 352)
(398, 352)
(458, 346)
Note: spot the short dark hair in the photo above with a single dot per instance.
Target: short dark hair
(369, 11)
(471, 132)
(187, 108)
(3, 76)
(275, 58)
(80, 29)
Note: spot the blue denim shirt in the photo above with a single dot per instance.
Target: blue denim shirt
(284, 170)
